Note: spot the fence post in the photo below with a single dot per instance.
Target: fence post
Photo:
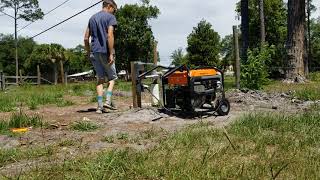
(38, 75)
(136, 92)
(236, 55)
(1, 80)
(21, 80)
(66, 78)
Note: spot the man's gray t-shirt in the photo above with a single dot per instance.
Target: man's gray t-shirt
(98, 26)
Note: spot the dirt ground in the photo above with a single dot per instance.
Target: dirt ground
(135, 128)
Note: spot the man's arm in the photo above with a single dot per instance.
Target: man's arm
(86, 41)
(111, 44)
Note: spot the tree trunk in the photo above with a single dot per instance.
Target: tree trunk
(296, 41)
(262, 22)
(245, 29)
(16, 40)
(62, 72)
(55, 71)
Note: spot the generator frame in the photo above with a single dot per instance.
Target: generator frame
(222, 106)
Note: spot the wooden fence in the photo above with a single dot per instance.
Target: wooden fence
(6, 81)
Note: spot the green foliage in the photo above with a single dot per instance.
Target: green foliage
(45, 55)
(315, 41)
(276, 30)
(314, 76)
(77, 60)
(178, 57)
(254, 74)
(7, 53)
(27, 10)
(203, 46)
(135, 40)
(85, 126)
(227, 51)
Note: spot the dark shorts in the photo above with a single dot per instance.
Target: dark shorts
(102, 68)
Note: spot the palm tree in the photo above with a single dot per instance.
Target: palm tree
(58, 57)
(296, 48)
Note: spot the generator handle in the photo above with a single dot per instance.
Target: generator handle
(150, 71)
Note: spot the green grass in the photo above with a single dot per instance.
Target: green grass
(261, 146)
(307, 91)
(20, 120)
(8, 156)
(35, 96)
(229, 82)
(84, 126)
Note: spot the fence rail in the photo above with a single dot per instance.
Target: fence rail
(18, 80)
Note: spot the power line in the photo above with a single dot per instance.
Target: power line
(66, 19)
(3, 13)
(44, 15)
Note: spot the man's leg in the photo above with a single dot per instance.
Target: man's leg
(101, 79)
(109, 92)
(100, 93)
(112, 76)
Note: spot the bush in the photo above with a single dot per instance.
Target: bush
(254, 74)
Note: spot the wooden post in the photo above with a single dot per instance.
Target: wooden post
(134, 85)
(136, 92)
(21, 80)
(66, 78)
(1, 80)
(237, 56)
(155, 53)
(38, 75)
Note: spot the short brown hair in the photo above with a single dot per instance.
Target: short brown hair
(109, 2)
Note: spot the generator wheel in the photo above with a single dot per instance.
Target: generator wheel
(223, 108)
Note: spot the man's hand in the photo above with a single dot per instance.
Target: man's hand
(111, 59)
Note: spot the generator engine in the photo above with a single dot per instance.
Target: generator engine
(195, 89)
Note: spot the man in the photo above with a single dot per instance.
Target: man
(101, 51)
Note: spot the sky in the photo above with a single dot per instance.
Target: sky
(171, 28)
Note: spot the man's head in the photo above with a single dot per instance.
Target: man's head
(109, 6)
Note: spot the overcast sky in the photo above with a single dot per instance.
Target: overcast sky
(171, 29)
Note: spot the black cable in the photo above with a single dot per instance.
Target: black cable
(44, 15)
(66, 20)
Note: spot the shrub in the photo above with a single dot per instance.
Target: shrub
(254, 74)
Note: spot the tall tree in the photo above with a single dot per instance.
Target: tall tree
(245, 29)
(7, 53)
(27, 10)
(134, 36)
(296, 41)
(203, 45)
(262, 23)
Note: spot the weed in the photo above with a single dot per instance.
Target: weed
(84, 126)
(108, 139)
(67, 143)
(122, 136)
(13, 155)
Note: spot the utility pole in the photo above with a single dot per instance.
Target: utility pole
(236, 55)
(16, 39)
